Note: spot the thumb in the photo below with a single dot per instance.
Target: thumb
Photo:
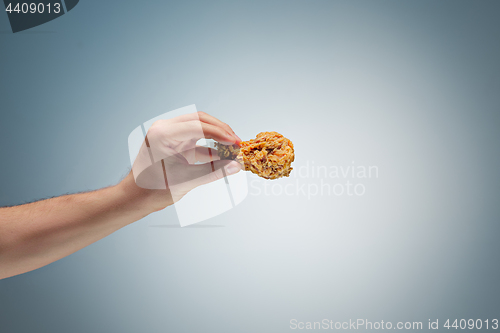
(220, 169)
(200, 176)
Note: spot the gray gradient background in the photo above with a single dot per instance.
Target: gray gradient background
(412, 87)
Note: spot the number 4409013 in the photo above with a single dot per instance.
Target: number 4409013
(33, 8)
(472, 324)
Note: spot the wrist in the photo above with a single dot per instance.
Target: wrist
(141, 200)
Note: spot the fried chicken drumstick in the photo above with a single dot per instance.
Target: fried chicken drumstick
(269, 155)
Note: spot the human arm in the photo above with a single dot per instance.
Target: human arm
(36, 234)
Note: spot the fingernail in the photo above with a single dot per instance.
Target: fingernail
(233, 137)
(232, 168)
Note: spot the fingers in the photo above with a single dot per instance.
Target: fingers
(204, 154)
(202, 174)
(165, 132)
(178, 171)
(200, 154)
(218, 134)
(206, 118)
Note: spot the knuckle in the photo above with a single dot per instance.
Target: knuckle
(153, 130)
(156, 130)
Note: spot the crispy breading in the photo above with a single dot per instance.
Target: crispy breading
(269, 155)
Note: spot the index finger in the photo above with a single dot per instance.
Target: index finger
(187, 131)
(206, 118)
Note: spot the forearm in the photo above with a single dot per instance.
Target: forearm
(39, 233)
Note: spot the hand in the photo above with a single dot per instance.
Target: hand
(165, 169)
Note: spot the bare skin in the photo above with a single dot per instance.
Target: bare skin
(37, 234)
